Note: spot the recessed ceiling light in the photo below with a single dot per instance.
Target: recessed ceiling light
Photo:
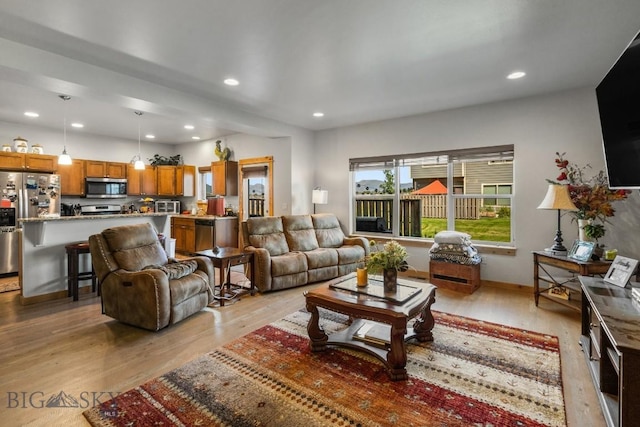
(31, 114)
(189, 127)
(77, 125)
(231, 82)
(195, 137)
(516, 75)
(318, 114)
(149, 136)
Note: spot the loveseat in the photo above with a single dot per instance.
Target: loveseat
(295, 250)
(140, 285)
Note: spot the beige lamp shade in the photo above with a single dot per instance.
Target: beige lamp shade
(558, 197)
(320, 197)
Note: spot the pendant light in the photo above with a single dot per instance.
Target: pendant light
(64, 158)
(139, 164)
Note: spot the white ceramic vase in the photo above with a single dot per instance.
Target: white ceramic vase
(582, 235)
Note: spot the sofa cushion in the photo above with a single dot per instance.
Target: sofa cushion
(135, 246)
(328, 231)
(268, 233)
(188, 286)
(176, 270)
(321, 257)
(290, 263)
(298, 229)
(350, 254)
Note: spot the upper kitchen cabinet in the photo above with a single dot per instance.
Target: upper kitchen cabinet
(142, 182)
(224, 175)
(72, 178)
(176, 180)
(99, 169)
(28, 162)
(11, 161)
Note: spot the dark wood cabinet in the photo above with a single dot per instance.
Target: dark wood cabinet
(224, 175)
(610, 341)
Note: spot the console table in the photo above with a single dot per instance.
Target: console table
(543, 260)
(610, 340)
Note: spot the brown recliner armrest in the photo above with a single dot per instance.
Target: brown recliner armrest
(140, 298)
(262, 265)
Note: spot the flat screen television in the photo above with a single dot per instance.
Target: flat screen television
(618, 96)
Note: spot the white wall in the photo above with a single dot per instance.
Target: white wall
(538, 127)
(244, 146)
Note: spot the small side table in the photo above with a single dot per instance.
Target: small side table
(224, 259)
(542, 259)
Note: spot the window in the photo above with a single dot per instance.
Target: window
(418, 195)
(205, 189)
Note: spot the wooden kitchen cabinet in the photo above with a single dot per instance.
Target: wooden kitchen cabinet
(141, 182)
(99, 169)
(184, 231)
(28, 162)
(72, 178)
(11, 161)
(40, 162)
(224, 175)
(176, 180)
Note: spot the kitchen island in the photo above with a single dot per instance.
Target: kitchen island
(43, 260)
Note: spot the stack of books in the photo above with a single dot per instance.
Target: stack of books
(375, 334)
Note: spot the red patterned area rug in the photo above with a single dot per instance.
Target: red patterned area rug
(473, 374)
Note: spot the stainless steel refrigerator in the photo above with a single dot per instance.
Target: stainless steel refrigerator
(23, 195)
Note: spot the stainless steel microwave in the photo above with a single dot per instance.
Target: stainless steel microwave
(168, 206)
(105, 188)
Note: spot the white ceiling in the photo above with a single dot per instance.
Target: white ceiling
(355, 60)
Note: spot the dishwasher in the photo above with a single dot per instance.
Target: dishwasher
(205, 232)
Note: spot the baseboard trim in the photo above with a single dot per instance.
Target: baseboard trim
(52, 296)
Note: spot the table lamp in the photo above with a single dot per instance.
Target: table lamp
(319, 197)
(558, 197)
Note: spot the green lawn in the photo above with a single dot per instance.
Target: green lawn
(487, 229)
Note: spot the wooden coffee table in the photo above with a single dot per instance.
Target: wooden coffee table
(369, 313)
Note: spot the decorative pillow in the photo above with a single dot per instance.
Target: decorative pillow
(453, 237)
(176, 270)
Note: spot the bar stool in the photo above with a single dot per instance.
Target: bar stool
(73, 265)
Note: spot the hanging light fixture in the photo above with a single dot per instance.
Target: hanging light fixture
(139, 164)
(64, 158)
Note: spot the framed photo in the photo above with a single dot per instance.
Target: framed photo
(581, 251)
(620, 271)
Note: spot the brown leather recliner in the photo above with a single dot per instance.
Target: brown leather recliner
(140, 285)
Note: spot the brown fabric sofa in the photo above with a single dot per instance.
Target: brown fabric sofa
(294, 250)
(140, 285)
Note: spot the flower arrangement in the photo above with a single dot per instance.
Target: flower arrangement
(592, 196)
(393, 256)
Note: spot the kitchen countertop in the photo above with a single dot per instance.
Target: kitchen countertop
(87, 217)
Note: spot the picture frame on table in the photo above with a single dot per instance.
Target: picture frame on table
(581, 250)
(620, 271)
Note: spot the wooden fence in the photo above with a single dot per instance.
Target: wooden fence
(412, 209)
(256, 206)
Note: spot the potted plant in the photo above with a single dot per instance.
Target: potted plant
(391, 259)
(595, 231)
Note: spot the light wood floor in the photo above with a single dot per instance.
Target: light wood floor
(69, 346)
